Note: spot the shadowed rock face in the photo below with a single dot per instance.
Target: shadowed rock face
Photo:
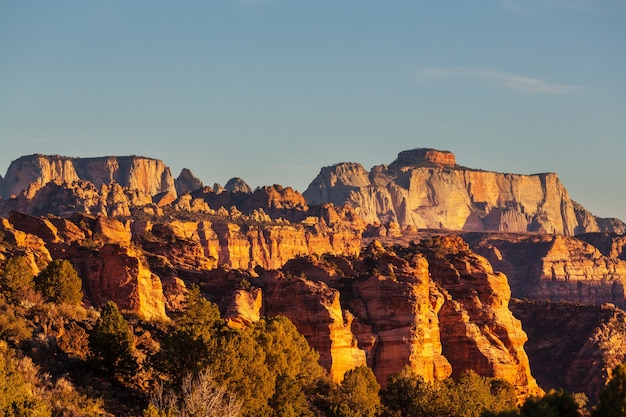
(187, 182)
(425, 189)
(573, 346)
(558, 268)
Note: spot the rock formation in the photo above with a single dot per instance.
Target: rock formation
(425, 189)
(393, 308)
(237, 185)
(186, 182)
(557, 268)
(573, 346)
(145, 175)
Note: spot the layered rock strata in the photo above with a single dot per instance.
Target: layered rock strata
(573, 346)
(425, 189)
(145, 175)
(401, 307)
(558, 268)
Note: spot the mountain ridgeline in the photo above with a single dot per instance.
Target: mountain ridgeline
(421, 189)
(426, 189)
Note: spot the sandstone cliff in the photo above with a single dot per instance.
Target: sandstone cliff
(557, 268)
(426, 189)
(573, 346)
(143, 175)
(391, 308)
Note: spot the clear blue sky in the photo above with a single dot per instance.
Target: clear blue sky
(272, 90)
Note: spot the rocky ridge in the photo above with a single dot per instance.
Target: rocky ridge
(426, 189)
(145, 175)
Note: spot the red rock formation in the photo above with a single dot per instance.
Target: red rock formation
(456, 320)
(425, 156)
(315, 310)
(117, 273)
(555, 268)
(481, 332)
(573, 346)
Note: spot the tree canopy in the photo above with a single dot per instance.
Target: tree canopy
(111, 343)
(59, 283)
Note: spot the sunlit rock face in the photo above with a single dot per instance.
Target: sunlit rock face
(146, 175)
(425, 189)
(439, 312)
(60, 185)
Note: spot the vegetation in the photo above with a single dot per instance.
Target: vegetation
(59, 283)
(408, 395)
(111, 344)
(612, 401)
(16, 278)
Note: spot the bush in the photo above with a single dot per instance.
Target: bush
(613, 397)
(111, 343)
(199, 396)
(16, 278)
(17, 391)
(408, 395)
(59, 283)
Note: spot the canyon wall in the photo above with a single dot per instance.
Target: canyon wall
(391, 308)
(558, 268)
(425, 189)
(573, 346)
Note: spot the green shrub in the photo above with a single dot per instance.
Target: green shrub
(16, 278)
(59, 283)
(111, 343)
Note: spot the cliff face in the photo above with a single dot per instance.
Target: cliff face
(573, 346)
(425, 189)
(558, 268)
(393, 308)
(128, 261)
(143, 175)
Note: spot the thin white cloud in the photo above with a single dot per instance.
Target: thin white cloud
(585, 6)
(523, 84)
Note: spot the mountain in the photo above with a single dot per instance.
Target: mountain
(145, 175)
(426, 189)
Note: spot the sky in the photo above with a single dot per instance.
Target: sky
(273, 90)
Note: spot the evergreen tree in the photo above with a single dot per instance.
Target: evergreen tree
(111, 343)
(612, 401)
(554, 404)
(358, 394)
(60, 283)
(16, 277)
(184, 350)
